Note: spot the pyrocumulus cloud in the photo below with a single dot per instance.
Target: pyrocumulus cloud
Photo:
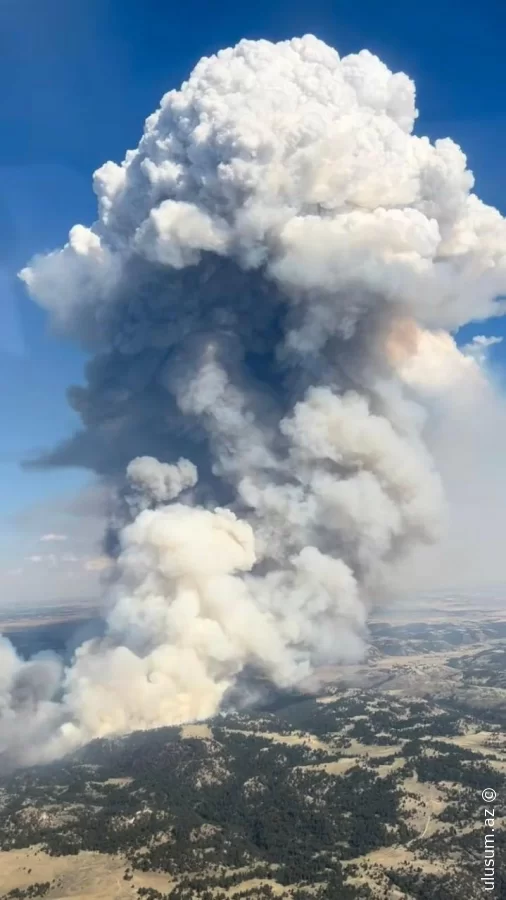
(263, 270)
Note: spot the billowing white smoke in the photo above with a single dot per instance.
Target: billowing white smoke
(29, 716)
(466, 431)
(152, 482)
(250, 292)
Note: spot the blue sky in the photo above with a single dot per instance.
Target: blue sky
(78, 80)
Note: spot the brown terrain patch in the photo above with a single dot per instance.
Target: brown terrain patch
(252, 883)
(196, 730)
(86, 876)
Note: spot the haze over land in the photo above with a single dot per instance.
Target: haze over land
(370, 788)
(268, 294)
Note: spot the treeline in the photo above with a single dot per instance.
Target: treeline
(239, 800)
(32, 892)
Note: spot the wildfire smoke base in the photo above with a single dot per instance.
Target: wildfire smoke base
(278, 223)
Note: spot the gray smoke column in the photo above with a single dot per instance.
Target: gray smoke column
(252, 258)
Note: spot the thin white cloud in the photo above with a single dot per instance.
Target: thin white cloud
(97, 564)
(46, 558)
(478, 348)
(32, 574)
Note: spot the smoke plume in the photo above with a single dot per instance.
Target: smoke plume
(262, 270)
